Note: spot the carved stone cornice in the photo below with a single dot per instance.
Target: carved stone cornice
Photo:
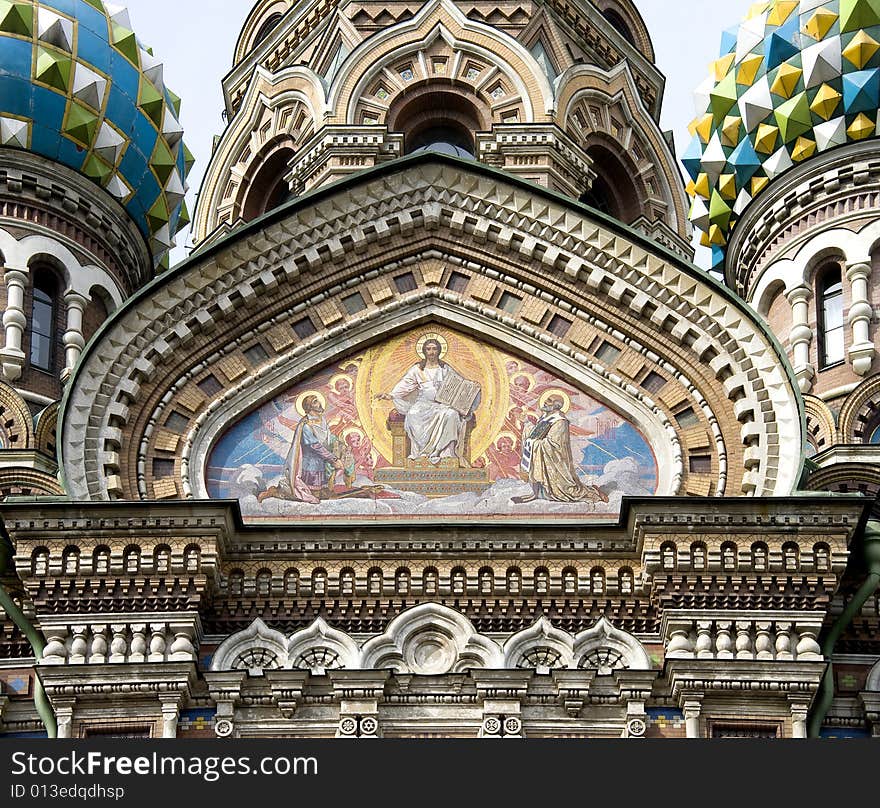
(763, 680)
(131, 681)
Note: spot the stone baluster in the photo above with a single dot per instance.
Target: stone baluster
(55, 651)
(182, 649)
(862, 351)
(783, 641)
(14, 323)
(801, 336)
(744, 640)
(99, 645)
(703, 646)
(119, 643)
(807, 647)
(763, 641)
(74, 339)
(680, 645)
(79, 648)
(723, 642)
(138, 649)
(157, 642)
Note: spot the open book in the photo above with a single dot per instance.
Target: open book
(458, 393)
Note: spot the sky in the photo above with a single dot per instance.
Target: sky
(197, 47)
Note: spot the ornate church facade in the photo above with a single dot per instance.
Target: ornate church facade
(438, 432)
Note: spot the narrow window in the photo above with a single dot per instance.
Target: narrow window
(831, 326)
(43, 322)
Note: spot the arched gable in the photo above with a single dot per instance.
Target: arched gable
(663, 335)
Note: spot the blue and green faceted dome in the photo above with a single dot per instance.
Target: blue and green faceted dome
(793, 80)
(78, 87)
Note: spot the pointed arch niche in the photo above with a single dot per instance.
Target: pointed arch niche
(388, 450)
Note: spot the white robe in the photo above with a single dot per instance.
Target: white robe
(434, 430)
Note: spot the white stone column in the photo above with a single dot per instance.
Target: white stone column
(170, 713)
(862, 351)
(64, 717)
(801, 336)
(14, 323)
(799, 710)
(74, 339)
(691, 707)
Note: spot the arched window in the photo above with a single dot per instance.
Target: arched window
(514, 581)
(822, 556)
(759, 557)
(728, 556)
(401, 581)
(626, 581)
(374, 581)
(70, 561)
(597, 580)
(291, 583)
(346, 581)
(487, 581)
(43, 312)
(40, 561)
(319, 582)
(430, 579)
(264, 583)
(829, 306)
(668, 556)
(162, 559)
(131, 560)
(698, 556)
(101, 560)
(790, 557)
(267, 27)
(569, 581)
(458, 581)
(542, 581)
(619, 25)
(236, 583)
(192, 558)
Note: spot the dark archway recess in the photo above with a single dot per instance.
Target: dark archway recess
(438, 120)
(612, 191)
(269, 187)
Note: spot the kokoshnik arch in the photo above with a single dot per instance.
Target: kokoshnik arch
(438, 393)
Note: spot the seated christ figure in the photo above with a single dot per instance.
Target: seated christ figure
(435, 430)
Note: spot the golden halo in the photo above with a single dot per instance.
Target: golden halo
(566, 399)
(525, 375)
(505, 434)
(338, 377)
(444, 345)
(351, 431)
(303, 396)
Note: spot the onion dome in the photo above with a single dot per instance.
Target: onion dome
(78, 87)
(793, 80)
